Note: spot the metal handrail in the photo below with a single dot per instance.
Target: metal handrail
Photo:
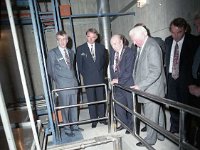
(182, 107)
(55, 108)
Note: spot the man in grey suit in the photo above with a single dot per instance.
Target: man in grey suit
(149, 77)
(60, 69)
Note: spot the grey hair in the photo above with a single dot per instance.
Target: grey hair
(138, 29)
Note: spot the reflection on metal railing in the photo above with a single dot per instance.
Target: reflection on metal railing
(116, 140)
(179, 140)
(56, 108)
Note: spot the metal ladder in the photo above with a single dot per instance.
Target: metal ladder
(41, 21)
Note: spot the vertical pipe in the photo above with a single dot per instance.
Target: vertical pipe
(113, 113)
(6, 122)
(22, 74)
(104, 22)
(133, 115)
(105, 26)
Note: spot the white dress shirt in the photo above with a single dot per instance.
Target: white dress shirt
(180, 43)
(93, 48)
(62, 50)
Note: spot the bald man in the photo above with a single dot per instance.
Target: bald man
(121, 68)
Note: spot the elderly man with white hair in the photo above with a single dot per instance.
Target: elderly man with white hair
(149, 77)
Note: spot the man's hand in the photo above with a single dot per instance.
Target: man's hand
(135, 87)
(114, 81)
(194, 90)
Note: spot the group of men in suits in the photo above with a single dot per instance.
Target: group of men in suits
(90, 58)
(180, 48)
(142, 69)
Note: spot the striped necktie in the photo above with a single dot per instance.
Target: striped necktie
(175, 67)
(92, 53)
(67, 59)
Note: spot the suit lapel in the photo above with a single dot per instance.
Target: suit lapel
(87, 50)
(58, 53)
(143, 53)
(60, 58)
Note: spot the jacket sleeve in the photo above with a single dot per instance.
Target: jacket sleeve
(50, 65)
(79, 60)
(127, 72)
(154, 67)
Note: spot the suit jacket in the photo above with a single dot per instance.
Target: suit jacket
(150, 76)
(196, 62)
(59, 71)
(126, 66)
(186, 58)
(92, 72)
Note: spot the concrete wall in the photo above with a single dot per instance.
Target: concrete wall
(156, 15)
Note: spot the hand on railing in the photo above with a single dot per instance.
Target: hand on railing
(135, 87)
(114, 81)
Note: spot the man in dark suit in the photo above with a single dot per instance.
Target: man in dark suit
(149, 77)
(60, 69)
(194, 129)
(121, 68)
(180, 49)
(91, 61)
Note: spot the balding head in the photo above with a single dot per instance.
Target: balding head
(138, 35)
(116, 42)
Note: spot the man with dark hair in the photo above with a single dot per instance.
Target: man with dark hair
(194, 132)
(60, 68)
(91, 61)
(180, 49)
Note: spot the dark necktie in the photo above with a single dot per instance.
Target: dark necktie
(116, 59)
(136, 61)
(67, 59)
(175, 67)
(92, 53)
(116, 64)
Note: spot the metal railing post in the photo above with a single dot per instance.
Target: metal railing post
(117, 144)
(22, 74)
(6, 123)
(181, 129)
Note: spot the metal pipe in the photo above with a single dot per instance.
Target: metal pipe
(182, 132)
(154, 98)
(183, 109)
(128, 6)
(83, 104)
(22, 74)
(6, 122)
(97, 15)
(82, 121)
(104, 22)
(79, 87)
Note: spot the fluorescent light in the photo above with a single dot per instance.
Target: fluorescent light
(141, 3)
